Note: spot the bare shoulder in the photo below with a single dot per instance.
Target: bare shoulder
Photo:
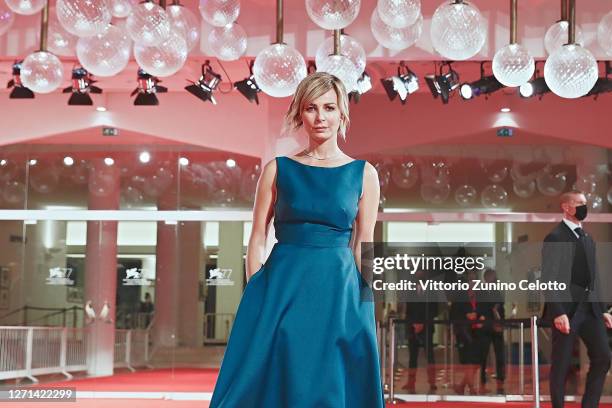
(268, 172)
(370, 175)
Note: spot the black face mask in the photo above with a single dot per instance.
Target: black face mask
(581, 212)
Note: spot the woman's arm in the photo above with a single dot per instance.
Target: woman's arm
(367, 211)
(263, 210)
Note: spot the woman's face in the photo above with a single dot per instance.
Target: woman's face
(321, 116)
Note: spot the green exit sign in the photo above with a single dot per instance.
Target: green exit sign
(504, 132)
(109, 131)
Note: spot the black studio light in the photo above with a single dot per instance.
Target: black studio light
(248, 87)
(205, 86)
(82, 86)
(147, 89)
(443, 84)
(364, 84)
(603, 84)
(536, 87)
(19, 91)
(487, 84)
(403, 84)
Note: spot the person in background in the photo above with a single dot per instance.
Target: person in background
(146, 309)
(491, 308)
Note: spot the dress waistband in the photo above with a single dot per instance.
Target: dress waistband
(311, 235)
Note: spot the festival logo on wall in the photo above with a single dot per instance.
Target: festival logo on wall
(60, 276)
(133, 277)
(219, 277)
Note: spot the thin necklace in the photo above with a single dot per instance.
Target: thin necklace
(319, 158)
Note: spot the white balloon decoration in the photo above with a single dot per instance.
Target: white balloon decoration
(83, 18)
(105, 54)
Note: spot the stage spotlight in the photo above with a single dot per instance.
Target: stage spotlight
(603, 85)
(147, 88)
(443, 84)
(484, 86)
(248, 87)
(81, 87)
(204, 87)
(364, 84)
(537, 86)
(19, 91)
(404, 84)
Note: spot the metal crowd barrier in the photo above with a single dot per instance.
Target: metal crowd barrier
(386, 329)
(31, 351)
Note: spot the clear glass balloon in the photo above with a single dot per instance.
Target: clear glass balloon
(42, 72)
(131, 196)
(436, 191)
(609, 195)
(395, 38)
(405, 174)
(165, 59)
(278, 69)
(587, 183)
(102, 182)
(60, 41)
(557, 36)
(333, 14)
(79, 172)
(513, 65)
(458, 30)
(121, 8)
(148, 24)
(6, 18)
(105, 54)
(13, 192)
(183, 21)
(595, 202)
(551, 184)
(25, 7)
(83, 18)
(571, 71)
(341, 67)
(384, 174)
(228, 43)
(524, 188)
(44, 179)
(219, 13)
(604, 34)
(494, 196)
(465, 195)
(495, 171)
(349, 47)
(399, 13)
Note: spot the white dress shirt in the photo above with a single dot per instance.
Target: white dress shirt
(572, 226)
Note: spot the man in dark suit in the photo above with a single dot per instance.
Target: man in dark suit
(568, 256)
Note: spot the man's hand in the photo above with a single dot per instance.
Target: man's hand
(418, 327)
(608, 320)
(562, 323)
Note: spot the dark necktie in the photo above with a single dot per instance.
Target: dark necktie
(580, 232)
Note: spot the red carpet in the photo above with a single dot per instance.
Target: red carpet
(185, 380)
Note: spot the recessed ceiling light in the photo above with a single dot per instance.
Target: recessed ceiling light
(33, 162)
(230, 163)
(68, 161)
(101, 109)
(505, 110)
(183, 161)
(144, 157)
(109, 161)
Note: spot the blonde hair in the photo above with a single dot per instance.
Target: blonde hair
(309, 89)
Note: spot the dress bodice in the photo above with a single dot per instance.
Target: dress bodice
(316, 205)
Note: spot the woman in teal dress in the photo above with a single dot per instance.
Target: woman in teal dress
(304, 334)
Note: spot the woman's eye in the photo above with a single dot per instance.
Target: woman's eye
(331, 108)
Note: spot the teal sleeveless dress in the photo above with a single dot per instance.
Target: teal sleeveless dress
(303, 335)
